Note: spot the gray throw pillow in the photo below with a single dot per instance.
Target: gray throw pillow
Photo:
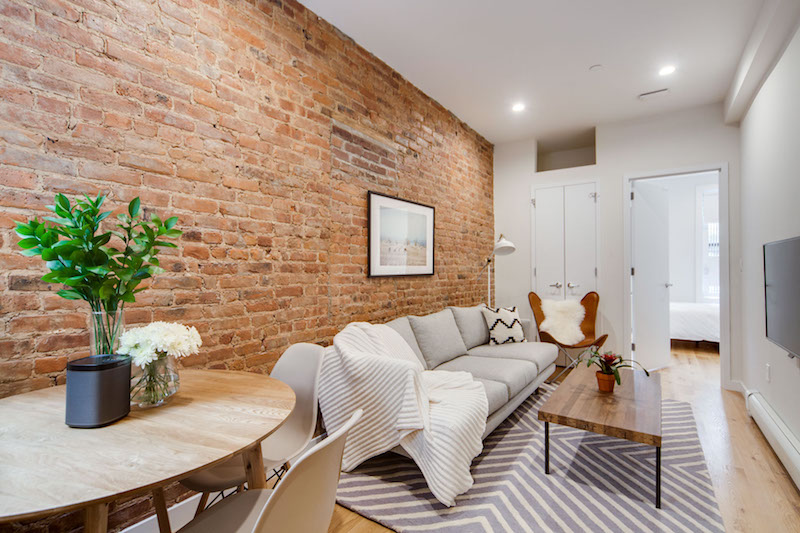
(471, 324)
(438, 337)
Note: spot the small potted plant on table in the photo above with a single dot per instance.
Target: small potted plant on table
(609, 364)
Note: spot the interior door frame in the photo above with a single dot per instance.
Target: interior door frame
(724, 265)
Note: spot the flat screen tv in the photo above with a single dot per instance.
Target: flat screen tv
(782, 291)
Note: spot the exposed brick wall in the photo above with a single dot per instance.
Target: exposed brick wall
(262, 127)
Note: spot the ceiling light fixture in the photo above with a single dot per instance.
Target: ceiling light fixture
(666, 70)
(596, 68)
(518, 107)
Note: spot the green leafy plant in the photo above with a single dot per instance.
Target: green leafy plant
(610, 363)
(103, 268)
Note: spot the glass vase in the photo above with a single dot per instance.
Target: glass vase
(152, 385)
(104, 331)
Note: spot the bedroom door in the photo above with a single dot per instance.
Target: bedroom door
(650, 273)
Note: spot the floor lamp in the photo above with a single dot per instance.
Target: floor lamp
(502, 247)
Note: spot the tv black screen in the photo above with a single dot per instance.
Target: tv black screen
(782, 292)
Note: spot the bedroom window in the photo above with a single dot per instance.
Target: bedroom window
(708, 243)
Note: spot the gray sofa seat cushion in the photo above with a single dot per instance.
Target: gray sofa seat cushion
(403, 327)
(514, 373)
(496, 393)
(438, 337)
(472, 325)
(540, 353)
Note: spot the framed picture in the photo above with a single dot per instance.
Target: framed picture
(400, 237)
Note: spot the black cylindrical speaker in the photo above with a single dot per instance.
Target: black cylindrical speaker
(98, 390)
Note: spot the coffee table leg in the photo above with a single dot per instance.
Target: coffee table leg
(658, 477)
(547, 447)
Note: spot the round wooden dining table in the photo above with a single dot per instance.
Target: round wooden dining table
(47, 467)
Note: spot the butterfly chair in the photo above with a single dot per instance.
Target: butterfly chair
(299, 368)
(303, 501)
(590, 302)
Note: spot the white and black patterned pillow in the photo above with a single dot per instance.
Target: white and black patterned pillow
(504, 325)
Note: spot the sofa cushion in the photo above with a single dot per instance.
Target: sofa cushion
(540, 353)
(438, 337)
(471, 324)
(496, 393)
(514, 373)
(403, 327)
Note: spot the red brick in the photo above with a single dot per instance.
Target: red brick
(145, 163)
(47, 365)
(20, 56)
(169, 119)
(17, 178)
(15, 370)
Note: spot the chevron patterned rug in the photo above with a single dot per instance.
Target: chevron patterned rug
(596, 483)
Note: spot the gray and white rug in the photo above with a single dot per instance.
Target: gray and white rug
(596, 483)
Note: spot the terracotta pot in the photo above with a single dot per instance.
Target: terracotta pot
(605, 382)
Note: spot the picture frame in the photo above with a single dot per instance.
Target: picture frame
(401, 236)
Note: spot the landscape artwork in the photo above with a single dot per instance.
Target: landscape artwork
(400, 237)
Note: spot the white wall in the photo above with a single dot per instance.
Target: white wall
(690, 138)
(514, 163)
(770, 192)
(683, 243)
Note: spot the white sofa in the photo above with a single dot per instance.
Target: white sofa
(457, 339)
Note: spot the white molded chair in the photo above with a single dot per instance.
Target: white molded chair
(303, 501)
(298, 367)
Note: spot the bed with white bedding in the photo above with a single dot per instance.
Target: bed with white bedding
(694, 321)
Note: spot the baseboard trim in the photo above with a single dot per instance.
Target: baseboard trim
(785, 443)
(180, 514)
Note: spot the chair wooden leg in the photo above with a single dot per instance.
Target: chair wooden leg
(201, 505)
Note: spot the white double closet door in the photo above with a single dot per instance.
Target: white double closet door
(564, 232)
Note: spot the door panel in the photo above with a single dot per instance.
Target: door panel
(650, 255)
(580, 238)
(549, 242)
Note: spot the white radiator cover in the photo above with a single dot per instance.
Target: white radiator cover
(783, 441)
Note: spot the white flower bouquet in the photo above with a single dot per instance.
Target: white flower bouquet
(154, 349)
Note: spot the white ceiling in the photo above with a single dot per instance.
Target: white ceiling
(477, 57)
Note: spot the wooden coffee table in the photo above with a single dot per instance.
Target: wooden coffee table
(632, 412)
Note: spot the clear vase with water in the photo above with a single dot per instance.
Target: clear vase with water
(156, 382)
(105, 328)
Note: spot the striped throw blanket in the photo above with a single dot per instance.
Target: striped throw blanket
(438, 417)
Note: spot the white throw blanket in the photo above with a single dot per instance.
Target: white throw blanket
(438, 417)
(562, 320)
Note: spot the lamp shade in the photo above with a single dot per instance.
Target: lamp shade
(503, 246)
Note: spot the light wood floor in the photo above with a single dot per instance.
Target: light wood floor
(754, 491)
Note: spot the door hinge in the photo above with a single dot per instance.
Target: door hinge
(633, 346)
(595, 271)
(533, 202)
(534, 271)
(631, 195)
(593, 195)
(633, 271)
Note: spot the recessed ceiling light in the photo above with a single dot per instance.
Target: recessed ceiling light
(666, 70)
(518, 107)
(596, 68)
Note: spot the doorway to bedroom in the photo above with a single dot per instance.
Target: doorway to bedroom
(676, 258)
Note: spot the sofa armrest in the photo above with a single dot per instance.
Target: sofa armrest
(528, 329)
